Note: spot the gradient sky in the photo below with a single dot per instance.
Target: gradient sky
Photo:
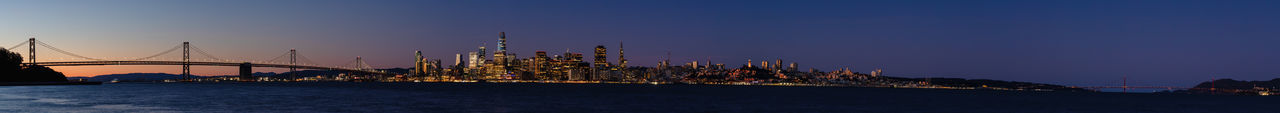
(1076, 42)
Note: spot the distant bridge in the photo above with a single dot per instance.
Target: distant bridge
(1133, 87)
(358, 65)
(1124, 86)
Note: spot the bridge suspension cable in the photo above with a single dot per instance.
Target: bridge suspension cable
(278, 57)
(304, 59)
(65, 52)
(201, 52)
(16, 46)
(175, 48)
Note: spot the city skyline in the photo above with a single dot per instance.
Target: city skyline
(987, 45)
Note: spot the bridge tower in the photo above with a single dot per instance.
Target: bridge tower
(359, 62)
(293, 63)
(32, 54)
(186, 61)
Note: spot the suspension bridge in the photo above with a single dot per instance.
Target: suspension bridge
(1124, 86)
(295, 62)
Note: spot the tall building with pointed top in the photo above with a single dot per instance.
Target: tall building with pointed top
(622, 60)
(500, 57)
(502, 41)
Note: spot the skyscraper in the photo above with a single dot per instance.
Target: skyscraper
(500, 57)
(540, 64)
(417, 63)
(765, 64)
(777, 65)
(457, 59)
(622, 61)
(601, 57)
(694, 64)
(473, 60)
(480, 54)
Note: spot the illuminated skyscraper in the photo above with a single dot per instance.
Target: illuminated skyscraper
(457, 59)
(500, 57)
(777, 65)
(473, 60)
(601, 57)
(749, 63)
(480, 54)
(694, 64)
(417, 63)
(540, 64)
(622, 61)
(765, 64)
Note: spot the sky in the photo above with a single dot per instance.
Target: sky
(1078, 42)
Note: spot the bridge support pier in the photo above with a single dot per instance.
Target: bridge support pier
(246, 72)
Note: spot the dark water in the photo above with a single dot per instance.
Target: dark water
(508, 97)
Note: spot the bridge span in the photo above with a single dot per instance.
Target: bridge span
(186, 62)
(98, 63)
